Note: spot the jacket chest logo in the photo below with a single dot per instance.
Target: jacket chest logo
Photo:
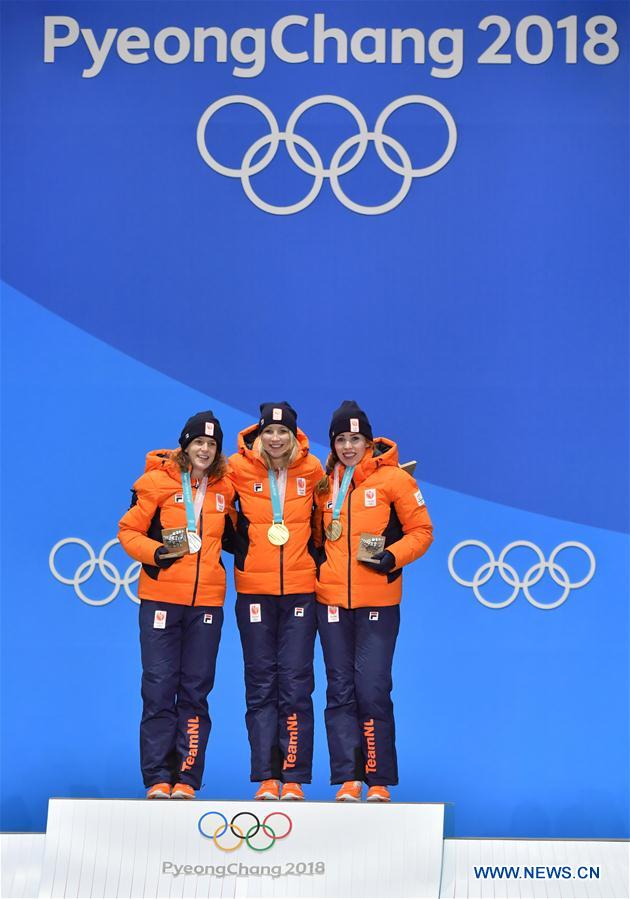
(258, 488)
(370, 496)
(178, 498)
(220, 502)
(301, 486)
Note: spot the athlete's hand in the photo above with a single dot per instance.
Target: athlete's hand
(382, 562)
(159, 561)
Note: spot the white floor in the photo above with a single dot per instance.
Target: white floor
(23, 853)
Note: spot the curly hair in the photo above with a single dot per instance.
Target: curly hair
(215, 472)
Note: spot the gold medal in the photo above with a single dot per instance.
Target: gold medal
(278, 533)
(334, 530)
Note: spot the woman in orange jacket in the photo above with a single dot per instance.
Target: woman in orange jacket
(185, 492)
(365, 496)
(274, 477)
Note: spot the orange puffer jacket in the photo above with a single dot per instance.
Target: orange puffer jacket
(259, 566)
(196, 579)
(382, 499)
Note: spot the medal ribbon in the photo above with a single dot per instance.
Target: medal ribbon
(277, 489)
(339, 492)
(193, 509)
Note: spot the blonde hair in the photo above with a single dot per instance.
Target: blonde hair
(286, 460)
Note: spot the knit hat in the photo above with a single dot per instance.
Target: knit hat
(277, 414)
(202, 424)
(349, 417)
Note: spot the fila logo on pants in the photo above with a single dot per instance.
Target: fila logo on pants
(368, 733)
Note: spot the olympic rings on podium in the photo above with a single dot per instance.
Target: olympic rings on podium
(248, 835)
(251, 815)
(283, 815)
(215, 837)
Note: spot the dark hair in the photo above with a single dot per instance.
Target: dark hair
(323, 485)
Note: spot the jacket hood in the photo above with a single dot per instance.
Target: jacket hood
(383, 452)
(247, 437)
(162, 459)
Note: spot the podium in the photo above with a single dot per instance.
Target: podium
(134, 848)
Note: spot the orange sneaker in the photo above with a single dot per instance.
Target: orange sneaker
(182, 791)
(350, 791)
(159, 791)
(269, 789)
(378, 794)
(292, 791)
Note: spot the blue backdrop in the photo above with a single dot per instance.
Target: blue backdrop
(482, 322)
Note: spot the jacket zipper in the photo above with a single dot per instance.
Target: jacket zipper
(198, 560)
(282, 571)
(350, 546)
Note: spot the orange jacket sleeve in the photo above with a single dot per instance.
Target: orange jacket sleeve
(133, 526)
(414, 519)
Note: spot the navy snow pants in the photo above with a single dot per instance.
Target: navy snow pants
(278, 638)
(358, 647)
(178, 665)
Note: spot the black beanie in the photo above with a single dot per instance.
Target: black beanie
(202, 424)
(349, 417)
(277, 414)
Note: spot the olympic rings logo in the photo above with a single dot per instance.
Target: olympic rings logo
(243, 834)
(532, 576)
(86, 569)
(316, 167)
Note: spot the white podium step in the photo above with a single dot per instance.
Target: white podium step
(22, 857)
(134, 848)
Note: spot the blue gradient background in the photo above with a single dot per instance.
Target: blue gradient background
(483, 324)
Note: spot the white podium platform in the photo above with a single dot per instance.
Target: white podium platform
(22, 857)
(133, 848)
(111, 857)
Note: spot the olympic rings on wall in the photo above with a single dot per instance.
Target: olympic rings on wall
(243, 837)
(316, 167)
(532, 576)
(86, 569)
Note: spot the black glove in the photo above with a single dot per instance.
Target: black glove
(382, 562)
(159, 561)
